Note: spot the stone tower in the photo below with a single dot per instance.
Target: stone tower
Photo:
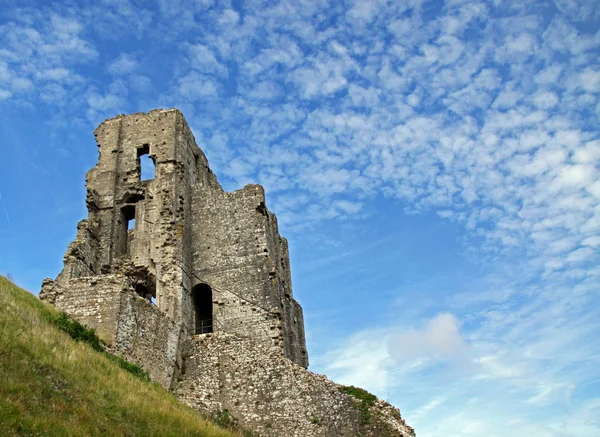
(193, 283)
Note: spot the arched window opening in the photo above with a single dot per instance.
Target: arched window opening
(203, 314)
(146, 163)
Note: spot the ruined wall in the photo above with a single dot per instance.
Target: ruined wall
(149, 338)
(281, 279)
(81, 257)
(132, 326)
(249, 377)
(187, 231)
(238, 251)
(161, 206)
(275, 397)
(93, 300)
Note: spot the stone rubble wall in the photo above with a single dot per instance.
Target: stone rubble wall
(280, 276)
(265, 391)
(160, 241)
(272, 396)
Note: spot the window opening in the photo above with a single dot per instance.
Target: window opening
(142, 290)
(127, 225)
(146, 163)
(203, 317)
(147, 291)
(129, 216)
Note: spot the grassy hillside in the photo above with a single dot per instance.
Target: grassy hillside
(51, 385)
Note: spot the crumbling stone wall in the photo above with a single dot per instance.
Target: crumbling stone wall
(156, 204)
(148, 337)
(237, 249)
(93, 300)
(81, 258)
(273, 396)
(140, 286)
(131, 326)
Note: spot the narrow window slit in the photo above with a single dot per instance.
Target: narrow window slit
(127, 225)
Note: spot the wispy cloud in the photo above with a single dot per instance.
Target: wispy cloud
(124, 64)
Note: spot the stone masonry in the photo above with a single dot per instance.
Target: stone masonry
(193, 283)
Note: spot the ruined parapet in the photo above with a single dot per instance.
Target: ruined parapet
(193, 283)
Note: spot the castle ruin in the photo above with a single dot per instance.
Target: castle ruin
(193, 283)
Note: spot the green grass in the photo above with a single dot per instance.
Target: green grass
(51, 385)
(360, 394)
(366, 400)
(79, 332)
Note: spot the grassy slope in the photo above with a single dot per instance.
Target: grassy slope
(53, 386)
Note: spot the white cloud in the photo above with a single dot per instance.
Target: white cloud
(124, 64)
(141, 84)
(594, 189)
(440, 337)
(229, 18)
(104, 102)
(196, 86)
(41, 50)
(589, 80)
(204, 60)
(591, 241)
(368, 358)
(347, 207)
(583, 254)
(545, 99)
(574, 176)
(550, 75)
(20, 84)
(56, 74)
(507, 99)
(363, 363)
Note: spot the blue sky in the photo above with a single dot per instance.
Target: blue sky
(435, 166)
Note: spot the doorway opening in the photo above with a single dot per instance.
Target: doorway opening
(203, 314)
